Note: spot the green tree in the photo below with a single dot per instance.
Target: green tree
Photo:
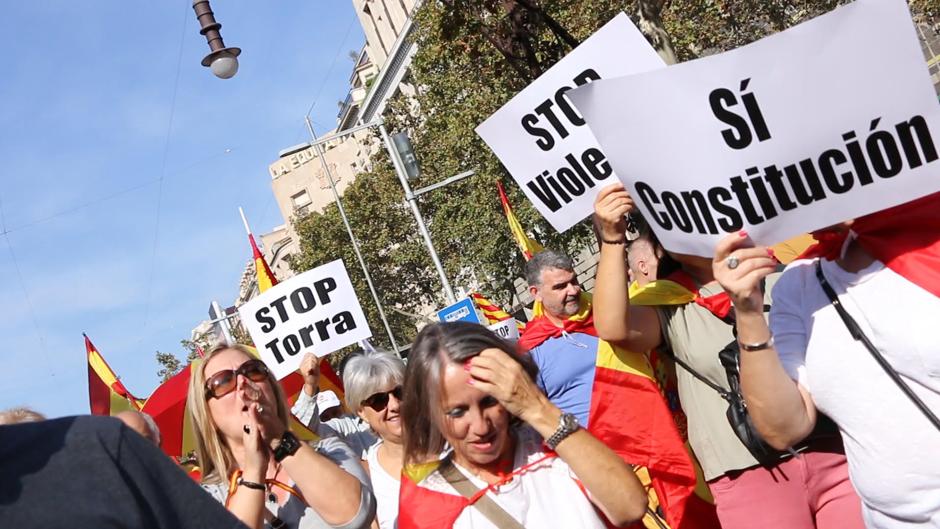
(170, 364)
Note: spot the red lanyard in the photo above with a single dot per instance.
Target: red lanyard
(233, 486)
(506, 478)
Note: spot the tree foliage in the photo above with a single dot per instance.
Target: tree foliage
(472, 57)
(170, 364)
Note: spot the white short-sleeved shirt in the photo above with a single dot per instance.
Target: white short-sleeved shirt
(545, 496)
(892, 449)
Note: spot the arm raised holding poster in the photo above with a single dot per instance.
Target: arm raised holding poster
(783, 136)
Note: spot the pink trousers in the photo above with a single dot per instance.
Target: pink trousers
(809, 491)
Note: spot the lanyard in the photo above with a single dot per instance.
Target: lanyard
(233, 486)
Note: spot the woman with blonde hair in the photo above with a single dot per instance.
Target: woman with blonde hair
(251, 461)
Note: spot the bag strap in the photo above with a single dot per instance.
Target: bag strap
(721, 391)
(485, 504)
(856, 331)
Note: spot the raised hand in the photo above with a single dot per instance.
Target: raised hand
(739, 267)
(310, 370)
(611, 205)
(495, 373)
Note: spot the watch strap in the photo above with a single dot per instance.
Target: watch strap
(567, 425)
(287, 447)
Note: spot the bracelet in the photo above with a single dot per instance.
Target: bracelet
(757, 346)
(251, 484)
(615, 242)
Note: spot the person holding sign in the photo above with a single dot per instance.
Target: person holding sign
(874, 280)
(692, 318)
(516, 459)
(252, 462)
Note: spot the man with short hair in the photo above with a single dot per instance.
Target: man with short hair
(561, 339)
(642, 260)
(141, 423)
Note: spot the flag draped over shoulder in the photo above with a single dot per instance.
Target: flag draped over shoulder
(106, 394)
(422, 508)
(643, 433)
(527, 245)
(906, 238)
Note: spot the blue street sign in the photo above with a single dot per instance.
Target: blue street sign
(463, 310)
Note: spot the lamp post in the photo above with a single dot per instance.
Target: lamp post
(223, 61)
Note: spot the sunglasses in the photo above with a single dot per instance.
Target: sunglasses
(378, 401)
(224, 382)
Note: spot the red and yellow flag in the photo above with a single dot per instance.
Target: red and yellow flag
(492, 312)
(106, 394)
(263, 272)
(527, 246)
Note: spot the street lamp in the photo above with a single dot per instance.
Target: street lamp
(223, 61)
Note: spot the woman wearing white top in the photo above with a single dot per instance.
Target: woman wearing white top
(807, 359)
(466, 387)
(373, 391)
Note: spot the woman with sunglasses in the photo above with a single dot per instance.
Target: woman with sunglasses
(373, 391)
(253, 464)
(516, 459)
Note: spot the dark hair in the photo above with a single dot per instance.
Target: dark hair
(437, 345)
(546, 259)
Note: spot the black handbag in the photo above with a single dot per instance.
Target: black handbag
(737, 414)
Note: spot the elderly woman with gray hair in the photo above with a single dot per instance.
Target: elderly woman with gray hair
(373, 382)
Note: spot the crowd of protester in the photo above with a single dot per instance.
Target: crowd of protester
(807, 395)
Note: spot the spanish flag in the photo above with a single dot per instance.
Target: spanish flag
(263, 272)
(492, 312)
(629, 414)
(106, 394)
(527, 246)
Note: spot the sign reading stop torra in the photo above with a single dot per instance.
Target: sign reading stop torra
(316, 311)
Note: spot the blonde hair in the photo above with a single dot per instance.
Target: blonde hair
(214, 455)
(20, 415)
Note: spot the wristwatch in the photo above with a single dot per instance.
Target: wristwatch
(567, 425)
(287, 447)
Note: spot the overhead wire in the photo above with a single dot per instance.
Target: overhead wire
(26, 297)
(166, 151)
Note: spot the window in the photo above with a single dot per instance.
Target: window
(301, 202)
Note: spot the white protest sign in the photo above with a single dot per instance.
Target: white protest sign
(824, 122)
(316, 311)
(543, 142)
(506, 329)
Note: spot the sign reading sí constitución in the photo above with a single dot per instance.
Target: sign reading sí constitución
(542, 140)
(824, 122)
(316, 311)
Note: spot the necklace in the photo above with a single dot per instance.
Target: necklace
(268, 484)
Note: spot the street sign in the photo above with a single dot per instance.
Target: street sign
(463, 310)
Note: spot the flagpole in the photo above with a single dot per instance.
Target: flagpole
(352, 238)
(244, 220)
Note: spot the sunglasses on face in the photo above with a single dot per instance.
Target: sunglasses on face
(224, 382)
(378, 401)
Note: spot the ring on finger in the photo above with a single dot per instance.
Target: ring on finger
(732, 262)
(246, 428)
(259, 407)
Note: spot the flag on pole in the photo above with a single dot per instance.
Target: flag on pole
(492, 312)
(292, 383)
(106, 394)
(527, 246)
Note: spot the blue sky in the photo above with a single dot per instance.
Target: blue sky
(106, 112)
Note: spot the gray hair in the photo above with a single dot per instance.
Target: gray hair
(368, 372)
(543, 260)
(20, 415)
(152, 426)
(437, 345)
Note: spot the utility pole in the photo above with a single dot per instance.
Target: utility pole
(355, 244)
